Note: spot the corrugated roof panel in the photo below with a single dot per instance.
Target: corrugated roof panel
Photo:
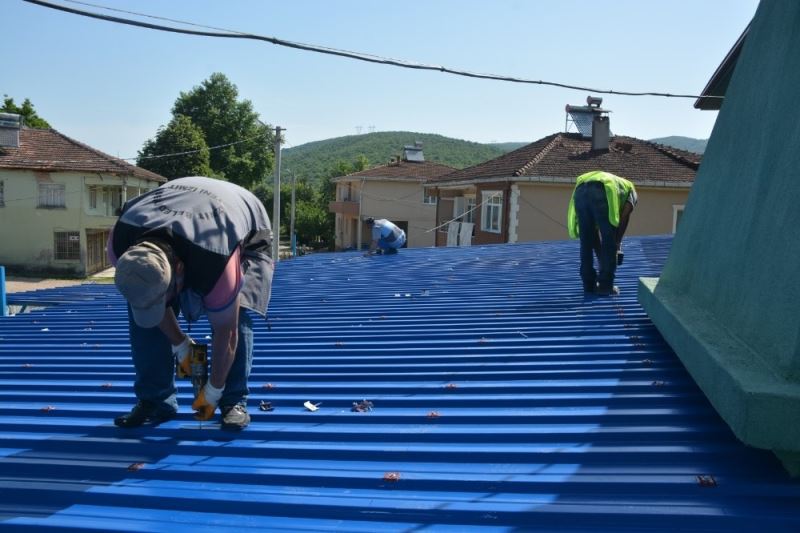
(503, 399)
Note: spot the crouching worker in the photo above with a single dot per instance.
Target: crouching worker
(386, 237)
(199, 246)
(598, 213)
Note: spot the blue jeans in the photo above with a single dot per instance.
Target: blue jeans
(591, 207)
(155, 365)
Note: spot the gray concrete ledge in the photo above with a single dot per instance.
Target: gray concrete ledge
(761, 407)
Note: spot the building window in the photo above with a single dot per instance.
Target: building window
(52, 195)
(464, 208)
(116, 198)
(67, 245)
(492, 211)
(2, 194)
(677, 213)
(428, 197)
(92, 197)
(469, 214)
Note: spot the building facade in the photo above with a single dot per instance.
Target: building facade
(396, 192)
(58, 201)
(523, 195)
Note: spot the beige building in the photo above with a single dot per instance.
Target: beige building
(395, 192)
(523, 195)
(58, 200)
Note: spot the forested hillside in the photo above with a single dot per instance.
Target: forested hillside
(697, 146)
(315, 159)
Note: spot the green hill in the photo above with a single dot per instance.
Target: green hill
(697, 146)
(314, 159)
(508, 147)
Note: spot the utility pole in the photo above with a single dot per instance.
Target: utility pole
(360, 212)
(292, 238)
(276, 199)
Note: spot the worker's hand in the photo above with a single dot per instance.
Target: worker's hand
(181, 352)
(206, 402)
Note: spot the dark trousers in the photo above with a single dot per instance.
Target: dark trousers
(591, 207)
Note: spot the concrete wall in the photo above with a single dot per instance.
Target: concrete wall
(727, 300)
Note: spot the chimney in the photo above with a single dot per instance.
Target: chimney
(10, 125)
(601, 132)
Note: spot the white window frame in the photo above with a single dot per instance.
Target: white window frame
(469, 214)
(676, 209)
(115, 198)
(93, 190)
(52, 196)
(492, 211)
(428, 199)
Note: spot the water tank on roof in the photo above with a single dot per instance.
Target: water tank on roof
(10, 124)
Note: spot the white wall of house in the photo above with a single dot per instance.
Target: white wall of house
(395, 200)
(45, 217)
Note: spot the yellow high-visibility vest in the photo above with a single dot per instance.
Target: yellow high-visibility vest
(618, 190)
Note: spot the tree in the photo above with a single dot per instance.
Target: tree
(224, 120)
(180, 136)
(27, 111)
(312, 224)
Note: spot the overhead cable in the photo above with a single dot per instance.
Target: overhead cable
(370, 58)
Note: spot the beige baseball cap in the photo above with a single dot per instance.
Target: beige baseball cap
(143, 275)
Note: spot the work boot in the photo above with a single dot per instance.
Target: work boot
(606, 291)
(235, 417)
(142, 412)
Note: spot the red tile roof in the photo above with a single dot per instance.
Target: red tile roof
(568, 155)
(50, 151)
(421, 170)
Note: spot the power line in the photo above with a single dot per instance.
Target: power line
(370, 58)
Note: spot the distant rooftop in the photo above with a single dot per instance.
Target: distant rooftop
(49, 150)
(568, 155)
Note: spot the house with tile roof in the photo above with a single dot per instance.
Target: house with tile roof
(523, 195)
(59, 199)
(394, 191)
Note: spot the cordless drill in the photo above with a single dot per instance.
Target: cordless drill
(198, 361)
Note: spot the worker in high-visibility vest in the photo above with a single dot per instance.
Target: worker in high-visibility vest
(598, 213)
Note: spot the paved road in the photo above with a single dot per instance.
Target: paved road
(22, 284)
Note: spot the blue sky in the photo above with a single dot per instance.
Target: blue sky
(112, 86)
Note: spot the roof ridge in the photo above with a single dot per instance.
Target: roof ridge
(538, 157)
(675, 154)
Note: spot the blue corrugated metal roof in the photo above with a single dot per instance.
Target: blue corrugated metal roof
(503, 399)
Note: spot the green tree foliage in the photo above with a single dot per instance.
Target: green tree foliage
(315, 159)
(180, 136)
(313, 224)
(214, 107)
(32, 120)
